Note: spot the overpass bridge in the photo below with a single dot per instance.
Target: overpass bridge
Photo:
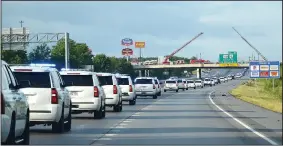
(146, 68)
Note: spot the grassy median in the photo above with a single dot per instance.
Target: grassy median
(260, 92)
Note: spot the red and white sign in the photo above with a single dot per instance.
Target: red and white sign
(264, 74)
(274, 73)
(254, 67)
(127, 52)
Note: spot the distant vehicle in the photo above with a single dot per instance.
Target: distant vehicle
(13, 103)
(229, 77)
(222, 79)
(85, 91)
(191, 84)
(199, 83)
(171, 85)
(181, 85)
(226, 79)
(207, 82)
(186, 84)
(145, 86)
(212, 82)
(49, 101)
(157, 84)
(128, 89)
(112, 91)
(215, 80)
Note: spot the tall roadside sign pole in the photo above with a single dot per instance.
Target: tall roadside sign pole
(140, 45)
(127, 51)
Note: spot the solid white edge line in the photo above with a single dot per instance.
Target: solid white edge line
(242, 123)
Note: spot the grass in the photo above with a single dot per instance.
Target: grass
(260, 92)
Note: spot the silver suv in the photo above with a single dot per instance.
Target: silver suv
(145, 86)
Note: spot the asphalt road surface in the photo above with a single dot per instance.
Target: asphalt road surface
(188, 117)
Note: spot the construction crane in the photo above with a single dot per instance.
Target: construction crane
(176, 51)
(265, 59)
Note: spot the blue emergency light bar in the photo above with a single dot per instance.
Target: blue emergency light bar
(42, 65)
(69, 69)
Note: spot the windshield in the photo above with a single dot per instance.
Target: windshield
(206, 79)
(170, 82)
(105, 80)
(198, 81)
(33, 79)
(190, 81)
(179, 81)
(123, 81)
(144, 81)
(77, 80)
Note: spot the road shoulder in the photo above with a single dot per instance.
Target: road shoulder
(264, 121)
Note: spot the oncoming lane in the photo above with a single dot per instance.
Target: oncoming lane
(85, 130)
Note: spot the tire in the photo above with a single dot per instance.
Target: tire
(194, 87)
(26, 134)
(104, 111)
(187, 88)
(118, 107)
(132, 102)
(11, 139)
(201, 86)
(164, 90)
(210, 85)
(98, 114)
(183, 89)
(177, 90)
(59, 127)
(154, 97)
(68, 126)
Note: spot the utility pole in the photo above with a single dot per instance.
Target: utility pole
(21, 23)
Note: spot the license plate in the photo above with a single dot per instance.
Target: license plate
(143, 92)
(125, 94)
(74, 93)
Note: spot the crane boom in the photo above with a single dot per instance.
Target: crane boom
(176, 51)
(265, 59)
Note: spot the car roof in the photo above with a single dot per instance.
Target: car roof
(76, 72)
(144, 78)
(104, 74)
(4, 62)
(32, 69)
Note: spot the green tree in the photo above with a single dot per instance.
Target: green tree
(14, 56)
(102, 63)
(41, 53)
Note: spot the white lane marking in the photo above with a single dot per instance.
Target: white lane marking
(242, 123)
(127, 121)
(120, 127)
(105, 138)
(135, 115)
(122, 124)
(110, 135)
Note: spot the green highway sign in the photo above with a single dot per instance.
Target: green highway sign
(231, 57)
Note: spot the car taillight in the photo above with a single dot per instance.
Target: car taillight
(130, 88)
(2, 104)
(54, 96)
(153, 86)
(115, 90)
(95, 92)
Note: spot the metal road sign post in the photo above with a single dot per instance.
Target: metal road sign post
(140, 45)
(265, 69)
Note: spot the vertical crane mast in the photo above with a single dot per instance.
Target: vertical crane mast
(265, 59)
(176, 51)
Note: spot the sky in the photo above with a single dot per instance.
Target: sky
(164, 26)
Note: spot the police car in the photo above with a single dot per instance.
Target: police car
(112, 90)
(85, 91)
(48, 99)
(145, 86)
(128, 88)
(14, 110)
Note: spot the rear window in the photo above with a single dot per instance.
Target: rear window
(123, 81)
(184, 81)
(144, 81)
(207, 79)
(33, 79)
(78, 80)
(155, 81)
(179, 81)
(105, 80)
(190, 81)
(172, 82)
(198, 81)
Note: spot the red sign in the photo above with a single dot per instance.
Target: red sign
(127, 52)
(264, 74)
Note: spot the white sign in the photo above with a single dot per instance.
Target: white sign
(254, 67)
(274, 67)
(264, 67)
(254, 73)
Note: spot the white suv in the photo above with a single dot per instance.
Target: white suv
(145, 86)
(48, 99)
(14, 110)
(157, 84)
(207, 81)
(186, 84)
(128, 89)
(191, 84)
(212, 82)
(112, 90)
(85, 92)
(199, 83)
(171, 85)
(181, 85)
(222, 79)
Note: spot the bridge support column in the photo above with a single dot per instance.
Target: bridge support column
(199, 73)
(140, 73)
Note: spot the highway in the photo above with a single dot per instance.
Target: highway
(188, 117)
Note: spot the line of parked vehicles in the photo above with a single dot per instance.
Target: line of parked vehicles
(39, 94)
(176, 84)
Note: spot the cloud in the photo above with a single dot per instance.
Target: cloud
(164, 26)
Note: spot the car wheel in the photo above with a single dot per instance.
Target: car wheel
(164, 90)
(194, 87)
(68, 125)
(11, 139)
(187, 88)
(99, 114)
(104, 111)
(159, 94)
(177, 90)
(132, 102)
(201, 86)
(59, 127)
(183, 89)
(154, 97)
(26, 134)
(118, 107)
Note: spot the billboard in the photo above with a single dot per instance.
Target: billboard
(139, 44)
(127, 42)
(127, 52)
(266, 69)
